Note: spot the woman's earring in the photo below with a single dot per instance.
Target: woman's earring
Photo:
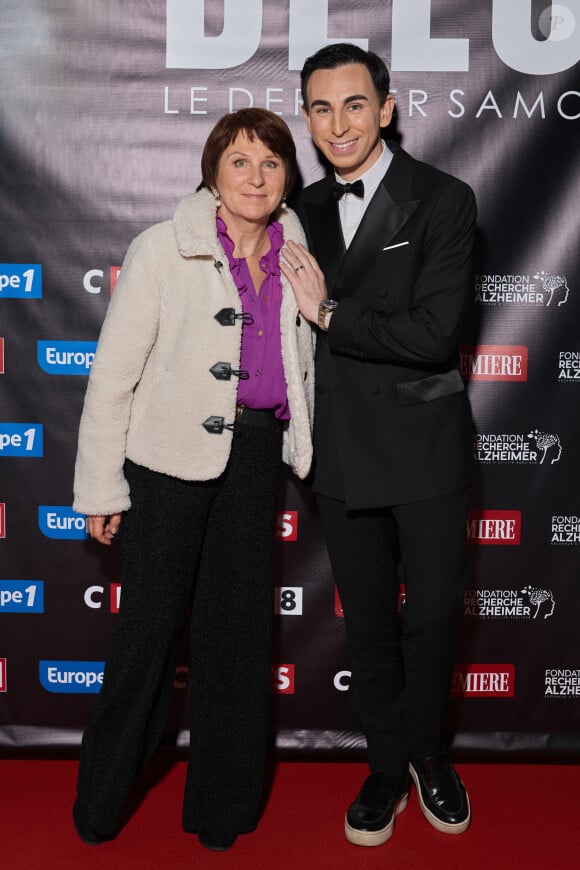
(283, 205)
(217, 197)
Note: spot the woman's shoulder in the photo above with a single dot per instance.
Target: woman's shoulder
(291, 226)
(194, 223)
(149, 238)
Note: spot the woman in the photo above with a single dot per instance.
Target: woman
(202, 379)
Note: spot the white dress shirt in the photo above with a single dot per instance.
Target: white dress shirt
(351, 208)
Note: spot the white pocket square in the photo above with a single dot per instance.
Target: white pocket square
(399, 245)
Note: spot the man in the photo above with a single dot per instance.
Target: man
(392, 430)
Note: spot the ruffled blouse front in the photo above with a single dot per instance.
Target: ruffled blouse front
(261, 353)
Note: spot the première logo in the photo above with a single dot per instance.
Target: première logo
(494, 527)
(483, 681)
(494, 362)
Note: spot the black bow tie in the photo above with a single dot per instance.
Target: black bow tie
(338, 189)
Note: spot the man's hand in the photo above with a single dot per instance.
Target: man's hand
(305, 278)
(103, 529)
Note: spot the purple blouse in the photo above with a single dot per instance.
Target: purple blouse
(261, 358)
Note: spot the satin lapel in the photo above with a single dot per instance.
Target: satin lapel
(326, 236)
(387, 213)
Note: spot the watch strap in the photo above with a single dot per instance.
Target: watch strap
(325, 307)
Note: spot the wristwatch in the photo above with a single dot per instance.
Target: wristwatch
(325, 307)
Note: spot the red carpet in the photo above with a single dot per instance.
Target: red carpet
(523, 817)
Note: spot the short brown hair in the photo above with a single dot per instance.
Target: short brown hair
(262, 124)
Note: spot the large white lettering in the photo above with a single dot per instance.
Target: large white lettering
(189, 48)
(308, 31)
(412, 46)
(517, 47)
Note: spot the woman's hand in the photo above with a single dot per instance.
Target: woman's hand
(103, 529)
(305, 278)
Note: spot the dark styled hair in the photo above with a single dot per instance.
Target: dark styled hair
(260, 124)
(343, 54)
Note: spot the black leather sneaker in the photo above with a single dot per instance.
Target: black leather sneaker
(370, 819)
(442, 795)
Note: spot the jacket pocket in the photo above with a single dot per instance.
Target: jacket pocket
(431, 388)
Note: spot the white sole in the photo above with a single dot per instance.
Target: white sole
(375, 838)
(444, 827)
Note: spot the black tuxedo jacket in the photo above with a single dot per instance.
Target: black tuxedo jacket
(392, 420)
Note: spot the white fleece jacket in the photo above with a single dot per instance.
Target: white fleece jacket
(150, 387)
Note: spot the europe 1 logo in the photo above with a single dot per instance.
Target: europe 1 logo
(21, 439)
(20, 281)
(21, 596)
(71, 677)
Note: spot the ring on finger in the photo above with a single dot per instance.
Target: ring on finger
(297, 269)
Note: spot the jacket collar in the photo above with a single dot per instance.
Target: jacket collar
(194, 225)
(195, 229)
(388, 211)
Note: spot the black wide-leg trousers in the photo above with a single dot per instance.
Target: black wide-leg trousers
(201, 551)
(402, 664)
